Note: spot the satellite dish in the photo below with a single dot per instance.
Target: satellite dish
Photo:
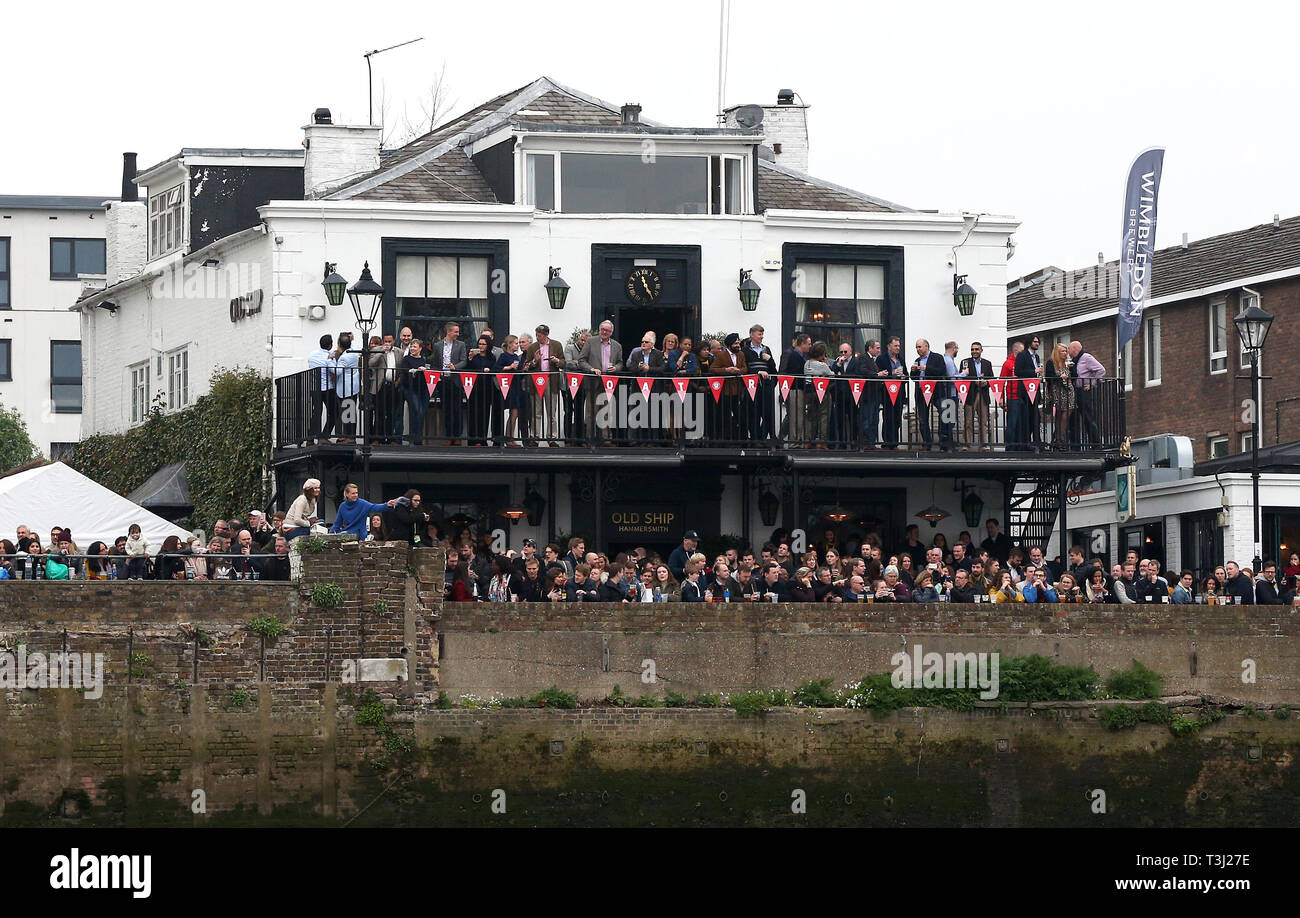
(749, 116)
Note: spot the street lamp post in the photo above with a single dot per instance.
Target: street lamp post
(1253, 324)
(365, 295)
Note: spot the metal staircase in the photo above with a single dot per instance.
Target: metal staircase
(1035, 500)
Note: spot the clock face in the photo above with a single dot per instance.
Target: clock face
(644, 285)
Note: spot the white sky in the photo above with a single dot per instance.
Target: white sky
(1034, 110)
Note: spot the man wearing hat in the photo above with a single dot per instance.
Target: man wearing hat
(728, 362)
(302, 512)
(682, 553)
(526, 554)
(545, 356)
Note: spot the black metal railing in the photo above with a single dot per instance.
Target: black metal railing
(752, 411)
(174, 565)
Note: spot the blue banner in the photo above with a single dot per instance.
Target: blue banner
(1135, 258)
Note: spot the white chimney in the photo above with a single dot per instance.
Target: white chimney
(336, 152)
(126, 229)
(785, 129)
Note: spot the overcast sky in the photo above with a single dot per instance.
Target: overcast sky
(1033, 110)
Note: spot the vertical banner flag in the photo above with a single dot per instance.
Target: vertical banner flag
(681, 385)
(927, 389)
(428, 380)
(467, 382)
(995, 386)
(820, 385)
(855, 386)
(751, 386)
(963, 389)
(539, 382)
(893, 386)
(504, 381)
(645, 384)
(784, 383)
(715, 386)
(1031, 387)
(1139, 245)
(575, 383)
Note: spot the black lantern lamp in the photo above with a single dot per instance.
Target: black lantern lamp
(365, 295)
(534, 505)
(335, 286)
(1252, 326)
(749, 291)
(557, 289)
(963, 295)
(768, 506)
(972, 507)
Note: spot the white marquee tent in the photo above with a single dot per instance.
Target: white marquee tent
(56, 495)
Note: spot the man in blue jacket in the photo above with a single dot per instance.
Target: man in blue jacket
(354, 513)
(1039, 590)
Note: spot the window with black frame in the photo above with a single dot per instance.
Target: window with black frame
(65, 377)
(838, 303)
(4, 273)
(435, 289)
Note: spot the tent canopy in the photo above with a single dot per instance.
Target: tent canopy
(56, 495)
(167, 491)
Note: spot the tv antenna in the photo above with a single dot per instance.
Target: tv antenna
(370, 80)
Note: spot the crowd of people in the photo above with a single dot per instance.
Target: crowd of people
(531, 389)
(992, 571)
(253, 550)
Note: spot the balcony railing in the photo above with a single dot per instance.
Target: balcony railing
(568, 409)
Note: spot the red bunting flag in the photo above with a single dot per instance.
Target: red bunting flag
(995, 386)
(715, 386)
(575, 383)
(855, 386)
(784, 383)
(751, 385)
(467, 382)
(963, 390)
(893, 387)
(504, 381)
(927, 389)
(539, 383)
(609, 384)
(681, 385)
(821, 384)
(429, 376)
(645, 384)
(1031, 388)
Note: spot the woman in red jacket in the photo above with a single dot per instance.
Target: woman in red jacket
(461, 589)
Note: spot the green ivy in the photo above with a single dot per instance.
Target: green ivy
(224, 439)
(268, 626)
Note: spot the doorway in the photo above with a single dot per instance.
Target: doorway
(631, 322)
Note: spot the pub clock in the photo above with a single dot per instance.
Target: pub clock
(644, 285)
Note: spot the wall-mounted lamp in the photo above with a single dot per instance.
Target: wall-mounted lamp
(335, 286)
(963, 295)
(749, 291)
(110, 306)
(212, 263)
(557, 289)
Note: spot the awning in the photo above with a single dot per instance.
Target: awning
(166, 492)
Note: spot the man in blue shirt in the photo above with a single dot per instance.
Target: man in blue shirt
(354, 513)
(1039, 590)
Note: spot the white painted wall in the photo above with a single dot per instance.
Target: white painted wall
(39, 314)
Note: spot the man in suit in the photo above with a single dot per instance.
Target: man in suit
(729, 363)
(545, 356)
(1028, 367)
(792, 363)
(891, 362)
(867, 366)
(646, 360)
(449, 355)
(573, 407)
(975, 428)
(928, 365)
(601, 354)
(845, 429)
(761, 412)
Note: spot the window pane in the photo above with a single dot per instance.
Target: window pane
(810, 280)
(734, 195)
(871, 282)
(442, 276)
(594, 183)
(410, 275)
(839, 282)
(473, 278)
(66, 398)
(4, 293)
(6, 365)
(4, 256)
(90, 256)
(65, 360)
(541, 181)
(60, 257)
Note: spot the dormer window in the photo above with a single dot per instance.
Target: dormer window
(627, 183)
(166, 221)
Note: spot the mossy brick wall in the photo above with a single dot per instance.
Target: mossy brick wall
(135, 757)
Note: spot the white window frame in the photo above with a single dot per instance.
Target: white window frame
(1061, 337)
(178, 379)
(1152, 329)
(167, 221)
(1219, 306)
(1125, 367)
(1245, 441)
(746, 179)
(139, 390)
(1219, 441)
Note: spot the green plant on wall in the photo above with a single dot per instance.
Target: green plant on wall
(268, 626)
(140, 665)
(224, 438)
(379, 606)
(326, 595)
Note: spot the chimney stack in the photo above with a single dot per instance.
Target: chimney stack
(1184, 242)
(631, 113)
(785, 129)
(126, 228)
(130, 191)
(1277, 222)
(336, 152)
